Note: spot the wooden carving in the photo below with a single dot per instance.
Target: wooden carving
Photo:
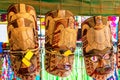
(97, 47)
(61, 35)
(23, 38)
(118, 48)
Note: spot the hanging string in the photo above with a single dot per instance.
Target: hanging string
(17, 1)
(79, 7)
(115, 8)
(40, 7)
(100, 7)
(60, 5)
(90, 6)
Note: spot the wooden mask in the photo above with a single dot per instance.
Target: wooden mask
(23, 38)
(61, 35)
(97, 47)
(118, 48)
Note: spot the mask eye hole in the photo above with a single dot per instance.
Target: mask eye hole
(94, 58)
(106, 56)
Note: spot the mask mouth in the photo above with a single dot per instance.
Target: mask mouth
(103, 70)
(67, 66)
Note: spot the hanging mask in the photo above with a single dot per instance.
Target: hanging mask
(23, 38)
(118, 48)
(97, 47)
(61, 35)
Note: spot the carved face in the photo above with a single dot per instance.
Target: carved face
(61, 40)
(58, 64)
(22, 33)
(97, 47)
(64, 63)
(99, 63)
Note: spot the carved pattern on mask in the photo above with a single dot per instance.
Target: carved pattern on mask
(22, 32)
(118, 49)
(97, 37)
(100, 66)
(61, 36)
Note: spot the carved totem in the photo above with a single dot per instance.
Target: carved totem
(23, 38)
(61, 35)
(97, 47)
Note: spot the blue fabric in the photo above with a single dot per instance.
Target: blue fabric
(1, 50)
(37, 77)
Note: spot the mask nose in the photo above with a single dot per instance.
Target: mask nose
(102, 63)
(66, 65)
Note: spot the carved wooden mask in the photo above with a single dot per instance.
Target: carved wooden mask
(61, 35)
(97, 47)
(118, 48)
(23, 37)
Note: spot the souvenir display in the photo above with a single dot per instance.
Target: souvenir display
(79, 44)
(23, 39)
(60, 42)
(97, 47)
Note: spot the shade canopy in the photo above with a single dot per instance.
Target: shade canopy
(77, 7)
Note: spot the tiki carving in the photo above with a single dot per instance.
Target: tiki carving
(118, 48)
(23, 38)
(61, 35)
(97, 47)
